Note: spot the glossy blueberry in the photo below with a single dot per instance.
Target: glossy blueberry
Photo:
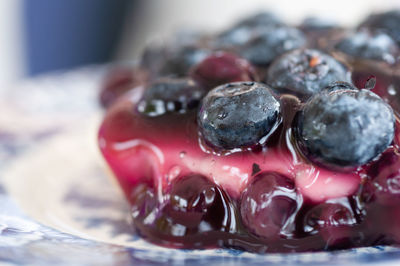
(370, 45)
(268, 205)
(238, 115)
(271, 43)
(305, 72)
(388, 22)
(345, 127)
(170, 95)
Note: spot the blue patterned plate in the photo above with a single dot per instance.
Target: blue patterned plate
(58, 204)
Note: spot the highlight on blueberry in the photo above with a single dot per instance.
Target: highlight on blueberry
(170, 95)
(237, 115)
(345, 127)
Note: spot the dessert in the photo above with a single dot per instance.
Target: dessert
(270, 141)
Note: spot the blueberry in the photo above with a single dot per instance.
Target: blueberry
(172, 60)
(170, 95)
(321, 33)
(235, 37)
(261, 19)
(370, 45)
(305, 72)
(245, 29)
(344, 128)
(271, 43)
(387, 21)
(317, 24)
(338, 85)
(180, 60)
(238, 115)
(268, 205)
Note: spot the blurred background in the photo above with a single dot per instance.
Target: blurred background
(40, 36)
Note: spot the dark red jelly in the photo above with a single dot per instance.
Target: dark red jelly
(266, 197)
(186, 195)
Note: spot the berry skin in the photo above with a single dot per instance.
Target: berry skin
(271, 43)
(345, 127)
(388, 22)
(305, 72)
(370, 45)
(338, 85)
(239, 114)
(220, 68)
(268, 205)
(170, 95)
